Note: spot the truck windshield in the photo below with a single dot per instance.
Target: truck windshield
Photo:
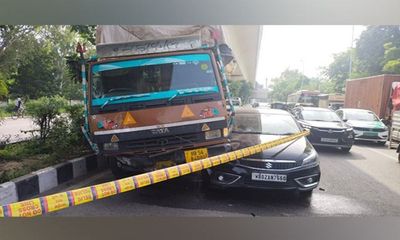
(152, 78)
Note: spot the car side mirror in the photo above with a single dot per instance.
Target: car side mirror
(344, 120)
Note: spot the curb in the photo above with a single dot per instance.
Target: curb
(25, 187)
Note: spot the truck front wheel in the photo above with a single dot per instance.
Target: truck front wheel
(116, 169)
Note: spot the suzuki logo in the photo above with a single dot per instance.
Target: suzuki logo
(268, 165)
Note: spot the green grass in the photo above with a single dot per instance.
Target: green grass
(22, 158)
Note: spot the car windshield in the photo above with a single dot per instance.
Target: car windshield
(273, 124)
(323, 116)
(152, 78)
(361, 116)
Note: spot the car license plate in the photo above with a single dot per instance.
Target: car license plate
(196, 154)
(329, 140)
(371, 134)
(268, 177)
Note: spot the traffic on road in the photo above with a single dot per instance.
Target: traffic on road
(154, 98)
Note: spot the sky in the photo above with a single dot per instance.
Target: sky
(306, 48)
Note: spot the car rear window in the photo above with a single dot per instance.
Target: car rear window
(273, 124)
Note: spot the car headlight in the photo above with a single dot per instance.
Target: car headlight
(312, 158)
(213, 134)
(110, 146)
(305, 126)
(349, 129)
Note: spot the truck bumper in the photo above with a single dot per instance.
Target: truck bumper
(147, 163)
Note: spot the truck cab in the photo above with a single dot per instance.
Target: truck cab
(146, 111)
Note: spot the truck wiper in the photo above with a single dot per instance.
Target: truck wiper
(124, 97)
(189, 91)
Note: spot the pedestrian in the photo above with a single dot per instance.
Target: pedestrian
(18, 104)
(18, 110)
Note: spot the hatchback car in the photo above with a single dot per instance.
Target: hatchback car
(293, 165)
(367, 126)
(326, 128)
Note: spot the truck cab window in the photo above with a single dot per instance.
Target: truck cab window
(160, 77)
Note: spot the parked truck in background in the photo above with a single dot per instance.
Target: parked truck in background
(374, 93)
(157, 96)
(304, 98)
(332, 101)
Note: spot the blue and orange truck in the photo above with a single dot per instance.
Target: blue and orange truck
(156, 96)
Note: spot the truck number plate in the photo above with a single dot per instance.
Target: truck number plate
(196, 154)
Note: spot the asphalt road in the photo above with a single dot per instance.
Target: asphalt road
(364, 182)
(11, 129)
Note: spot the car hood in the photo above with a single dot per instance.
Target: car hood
(366, 124)
(320, 124)
(293, 150)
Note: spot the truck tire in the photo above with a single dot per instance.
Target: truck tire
(116, 170)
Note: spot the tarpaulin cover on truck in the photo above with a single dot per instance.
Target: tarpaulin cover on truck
(132, 33)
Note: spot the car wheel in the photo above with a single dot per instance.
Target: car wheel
(382, 143)
(305, 194)
(345, 149)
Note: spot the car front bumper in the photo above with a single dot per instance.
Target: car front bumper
(235, 175)
(371, 136)
(343, 139)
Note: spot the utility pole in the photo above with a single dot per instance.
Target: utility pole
(302, 77)
(351, 51)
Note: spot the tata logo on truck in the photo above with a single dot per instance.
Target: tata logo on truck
(160, 131)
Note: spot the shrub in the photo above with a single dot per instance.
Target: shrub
(43, 111)
(2, 114)
(65, 136)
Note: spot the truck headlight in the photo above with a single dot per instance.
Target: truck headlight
(110, 146)
(213, 134)
(226, 132)
(312, 158)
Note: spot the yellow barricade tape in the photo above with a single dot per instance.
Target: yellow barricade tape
(55, 202)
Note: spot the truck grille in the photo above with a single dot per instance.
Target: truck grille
(162, 144)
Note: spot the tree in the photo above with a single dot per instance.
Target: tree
(391, 58)
(338, 71)
(240, 89)
(289, 82)
(87, 32)
(36, 72)
(370, 49)
(3, 87)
